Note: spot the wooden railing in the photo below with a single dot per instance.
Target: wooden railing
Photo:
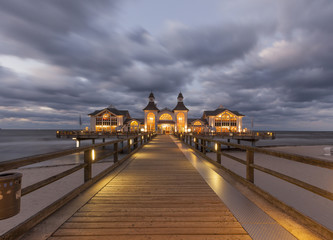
(203, 144)
(128, 146)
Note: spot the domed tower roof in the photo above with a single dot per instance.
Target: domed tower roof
(151, 104)
(180, 105)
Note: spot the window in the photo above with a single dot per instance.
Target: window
(114, 121)
(151, 122)
(165, 116)
(181, 122)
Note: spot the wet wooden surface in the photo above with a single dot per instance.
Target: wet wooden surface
(159, 195)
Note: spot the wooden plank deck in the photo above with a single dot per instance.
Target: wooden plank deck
(159, 195)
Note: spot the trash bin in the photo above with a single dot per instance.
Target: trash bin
(10, 194)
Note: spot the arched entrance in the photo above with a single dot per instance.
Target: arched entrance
(166, 124)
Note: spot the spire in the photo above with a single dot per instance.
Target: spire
(180, 97)
(151, 97)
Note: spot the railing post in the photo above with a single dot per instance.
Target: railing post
(203, 146)
(190, 142)
(141, 140)
(196, 143)
(128, 145)
(103, 142)
(249, 169)
(122, 146)
(87, 168)
(115, 154)
(218, 152)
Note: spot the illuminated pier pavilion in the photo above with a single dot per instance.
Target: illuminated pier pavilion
(166, 121)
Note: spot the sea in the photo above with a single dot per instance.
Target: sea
(18, 143)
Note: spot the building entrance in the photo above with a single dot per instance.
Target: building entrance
(166, 128)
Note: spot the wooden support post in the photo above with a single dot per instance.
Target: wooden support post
(190, 142)
(238, 141)
(249, 169)
(103, 142)
(128, 145)
(115, 154)
(141, 140)
(93, 141)
(196, 143)
(136, 142)
(203, 146)
(122, 147)
(87, 168)
(228, 142)
(218, 153)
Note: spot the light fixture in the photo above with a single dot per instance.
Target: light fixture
(93, 155)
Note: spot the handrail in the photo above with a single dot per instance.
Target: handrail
(249, 162)
(199, 144)
(133, 144)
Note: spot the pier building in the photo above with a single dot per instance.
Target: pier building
(166, 121)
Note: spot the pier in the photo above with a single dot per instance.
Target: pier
(166, 187)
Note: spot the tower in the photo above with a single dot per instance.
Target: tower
(181, 112)
(150, 114)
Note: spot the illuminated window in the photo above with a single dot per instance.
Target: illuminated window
(181, 122)
(151, 122)
(197, 123)
(165, 116)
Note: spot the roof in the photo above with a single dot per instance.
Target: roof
(220, 110)
(151, 95)
(165, 109)
(151, 106)
(141, 121)
(180, 95)
(112, 110)
(180, 107)
(192, 120)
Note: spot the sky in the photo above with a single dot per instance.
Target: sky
(269, 60)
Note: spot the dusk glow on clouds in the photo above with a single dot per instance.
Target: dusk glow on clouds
(270, 60)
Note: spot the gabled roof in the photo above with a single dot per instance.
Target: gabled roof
(165, 109)
(141, 121)
(180, 107)
(220, 110)
(192, 120)
(112, 110)
(151, 106)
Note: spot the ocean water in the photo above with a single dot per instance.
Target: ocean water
(299, 138)
(22, 143)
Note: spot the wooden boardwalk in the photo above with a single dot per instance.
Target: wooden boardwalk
(159, 195)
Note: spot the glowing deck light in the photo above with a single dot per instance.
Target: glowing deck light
(215, 146)
(194, 139)
(93, 155)
(77, 143)
(141, 137)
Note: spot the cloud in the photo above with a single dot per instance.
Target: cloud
(270, 61)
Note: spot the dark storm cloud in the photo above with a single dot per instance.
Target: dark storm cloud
(211, 45)
(276, 68)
